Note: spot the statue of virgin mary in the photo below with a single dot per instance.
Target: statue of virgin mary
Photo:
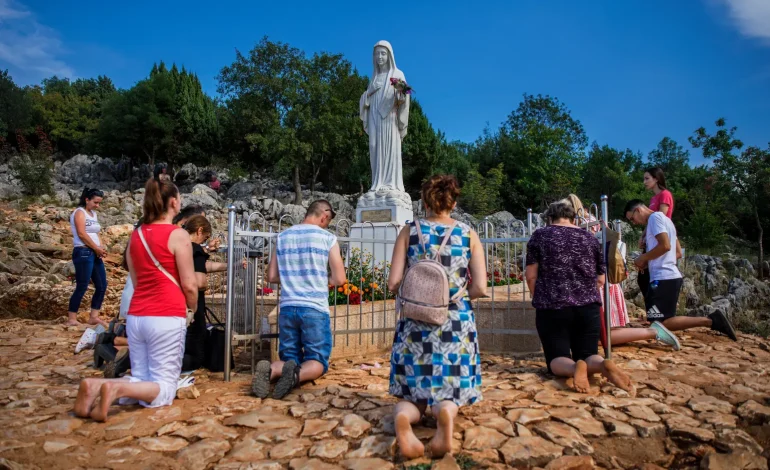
(385, 114)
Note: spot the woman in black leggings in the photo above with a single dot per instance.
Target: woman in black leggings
(199, 229)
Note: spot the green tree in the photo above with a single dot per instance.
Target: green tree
(481, 193)
(614, 173)
(15, 107)
(542, 149)
(746, 173)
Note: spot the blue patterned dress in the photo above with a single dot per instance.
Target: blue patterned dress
(431, 363)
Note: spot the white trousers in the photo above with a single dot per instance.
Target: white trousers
(156, 349)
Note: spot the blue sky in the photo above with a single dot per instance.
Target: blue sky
(631, 72)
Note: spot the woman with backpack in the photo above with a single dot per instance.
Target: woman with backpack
(435, 359)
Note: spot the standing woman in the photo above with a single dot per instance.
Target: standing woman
(87, 257)
(662, 201)
(437, 365)
(157, 316)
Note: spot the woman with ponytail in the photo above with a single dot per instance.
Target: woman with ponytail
(87, 257)
(160, 264)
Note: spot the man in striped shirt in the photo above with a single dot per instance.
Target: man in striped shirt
(299, 263)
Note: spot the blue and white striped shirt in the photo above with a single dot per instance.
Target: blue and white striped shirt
(303, 257)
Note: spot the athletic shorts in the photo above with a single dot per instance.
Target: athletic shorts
(661, 299)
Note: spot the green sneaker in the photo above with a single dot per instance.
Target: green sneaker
(665, 336)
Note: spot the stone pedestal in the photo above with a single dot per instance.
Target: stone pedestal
(380, 216)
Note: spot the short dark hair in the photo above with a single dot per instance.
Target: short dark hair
(632, 205)
(317, 208)
(561, 209)
(187, 212)
(657, 173)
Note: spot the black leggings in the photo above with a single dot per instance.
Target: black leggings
(569, 332)
(194, 344)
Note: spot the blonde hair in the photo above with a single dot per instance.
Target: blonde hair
(580, 211)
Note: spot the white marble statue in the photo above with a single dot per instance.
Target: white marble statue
(385, 115)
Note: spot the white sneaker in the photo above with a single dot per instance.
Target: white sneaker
(87, 341)
(185, 382)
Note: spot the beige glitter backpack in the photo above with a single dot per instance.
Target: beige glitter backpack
(424, 292)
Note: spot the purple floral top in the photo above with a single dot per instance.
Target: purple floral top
(568, 259)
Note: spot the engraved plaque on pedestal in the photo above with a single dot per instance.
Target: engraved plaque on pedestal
(378, 215)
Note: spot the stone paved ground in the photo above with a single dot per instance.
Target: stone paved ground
(704, 407)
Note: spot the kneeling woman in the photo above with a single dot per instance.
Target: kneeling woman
(565, 272)
(199, 229)
(156, 320)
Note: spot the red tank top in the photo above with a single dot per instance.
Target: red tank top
(154, 293)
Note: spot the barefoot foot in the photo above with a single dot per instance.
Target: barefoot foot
(580, 381)
(72, 323)
(108, 393)
(442, 442)
(87, 393)
(408, 444)
(97, 321)
(618, 377)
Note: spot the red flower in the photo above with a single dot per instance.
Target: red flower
(354, 298)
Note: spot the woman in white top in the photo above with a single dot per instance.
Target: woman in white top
(87, 256)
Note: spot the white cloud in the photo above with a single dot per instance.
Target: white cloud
(27, 46)
(752, 17)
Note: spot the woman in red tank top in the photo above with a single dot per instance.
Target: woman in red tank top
(156, 321)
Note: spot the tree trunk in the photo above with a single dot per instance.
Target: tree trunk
(312, 180)
(297, 187)
(761, 248)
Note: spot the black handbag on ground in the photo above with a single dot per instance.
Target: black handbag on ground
(214, 359)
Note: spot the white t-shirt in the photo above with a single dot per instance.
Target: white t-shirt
(92, 227)
(663, 267)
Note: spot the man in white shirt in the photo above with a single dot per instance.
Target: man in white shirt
(665, 278)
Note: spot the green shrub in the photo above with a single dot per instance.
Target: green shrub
(34, 173)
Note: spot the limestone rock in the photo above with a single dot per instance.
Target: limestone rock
(199, 455)
(447, 463)
(262, 420)
(53, 446)
(352, 426)
(366, 464)
(572, 462)
(737, 460)
(312, 464)
(290, 449)
(318, 427)
(162, 444)
(329, 449)
(564, 436)
(374, 446)
(580, 420)
(529, 452)
(709, 403)
(480, 437)
(188, 393)
(754, 413)
(527, 416)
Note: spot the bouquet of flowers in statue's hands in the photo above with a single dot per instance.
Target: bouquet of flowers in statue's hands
(401, 86)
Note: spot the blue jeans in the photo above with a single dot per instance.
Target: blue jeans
(304, 334)
(88, 267)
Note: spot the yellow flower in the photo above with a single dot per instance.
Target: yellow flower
(347, 292)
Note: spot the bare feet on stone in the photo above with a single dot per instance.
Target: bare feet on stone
(97, 321)
(107, 395)
(442, 441)
(408, 444)
(72, 323)
(618, 377)
(87, 393)
(580, 381)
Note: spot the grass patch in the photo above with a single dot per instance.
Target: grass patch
(465, 462)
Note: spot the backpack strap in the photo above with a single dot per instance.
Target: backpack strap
(446, 239)
(419, 237)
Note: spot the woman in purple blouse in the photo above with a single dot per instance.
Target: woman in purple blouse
(565, 271)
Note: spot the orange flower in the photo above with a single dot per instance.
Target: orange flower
(375, 286)
(354, 289)
(340, 289)
(363, 279)
(347, 292)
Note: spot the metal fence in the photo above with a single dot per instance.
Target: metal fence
(245, 300)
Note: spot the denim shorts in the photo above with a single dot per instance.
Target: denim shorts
(304, 334)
